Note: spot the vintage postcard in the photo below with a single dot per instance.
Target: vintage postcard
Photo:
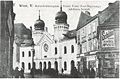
(59, 39)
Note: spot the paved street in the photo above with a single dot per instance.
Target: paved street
(27, 75)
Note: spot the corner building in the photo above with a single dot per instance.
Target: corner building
(98, 43)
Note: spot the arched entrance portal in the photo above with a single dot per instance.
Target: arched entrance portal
(49, 64)
(56, 65)
(72, 64)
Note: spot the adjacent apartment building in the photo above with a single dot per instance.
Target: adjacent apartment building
(97, 41)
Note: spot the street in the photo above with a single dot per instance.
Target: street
(27, 75)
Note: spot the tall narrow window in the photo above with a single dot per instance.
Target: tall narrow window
(49, 64)
(65, 65)
(29, 66)
(72, 49)
(23, 54)
(55, 50)
(40, 65)
(29, 53)
(23, 65)
(56, 65)
(44, 65)
(65, 50)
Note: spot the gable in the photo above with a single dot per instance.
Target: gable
(45, 38)
(82, 20)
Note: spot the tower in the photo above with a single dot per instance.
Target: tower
(39, 24)
(39, 28)
(60, 27)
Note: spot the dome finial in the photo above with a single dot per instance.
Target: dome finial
(60, 5)
(39, 14)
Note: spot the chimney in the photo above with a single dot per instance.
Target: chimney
(87, 12)
(99, 12)
(110, 4)
(31, 28)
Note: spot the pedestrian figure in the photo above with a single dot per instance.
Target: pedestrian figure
(44, 71)
(32, 72)
(22, 73)
(62, 70)
(92, 73)
(16, 73)
(74, 72)
(80, 75)
(85, 72)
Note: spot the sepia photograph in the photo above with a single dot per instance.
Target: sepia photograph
(59, 39)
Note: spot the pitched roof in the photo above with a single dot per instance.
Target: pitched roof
(82, 20)
(111, 21)
(108, 12)
(104, 16)
(23, 34)
(20, 29)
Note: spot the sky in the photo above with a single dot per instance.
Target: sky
(27, 11)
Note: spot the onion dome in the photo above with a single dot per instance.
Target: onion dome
(61, 16)
(39, 24)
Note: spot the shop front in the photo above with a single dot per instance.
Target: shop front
(82, 63)
(92, 61)
(108, 66)
(108, 54)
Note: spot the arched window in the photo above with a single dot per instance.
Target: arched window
(29, 54)
(23, 65)
(72, 64)
(23, 54)
(49, 64)
(72, 49)
(29, 66)
(65, 65)
(55, 50)
(56, 65)
(40, 65)
(65, 50)
(44, 65)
